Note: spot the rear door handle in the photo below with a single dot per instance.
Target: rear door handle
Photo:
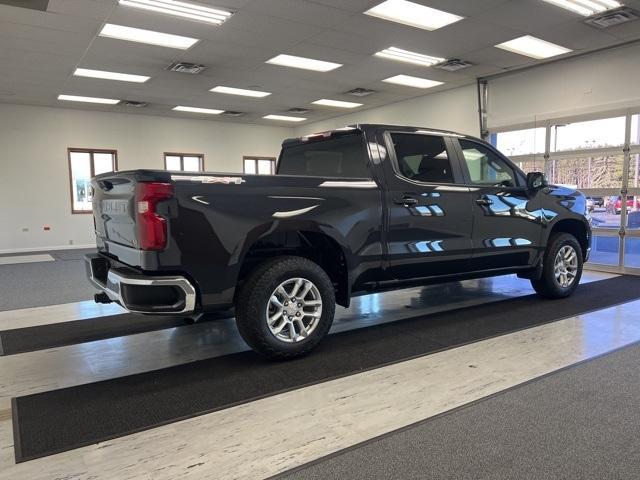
(484, 201)
(406, 201)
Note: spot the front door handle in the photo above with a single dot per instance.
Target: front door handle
(406, 201)
(484, 201)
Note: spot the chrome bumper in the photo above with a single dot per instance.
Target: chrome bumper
(120, 288)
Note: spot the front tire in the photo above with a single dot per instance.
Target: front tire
(561, 268)
(285, 308)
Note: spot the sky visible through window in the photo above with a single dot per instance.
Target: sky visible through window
(602, 133)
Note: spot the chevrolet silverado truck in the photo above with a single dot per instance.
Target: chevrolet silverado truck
(351, 211)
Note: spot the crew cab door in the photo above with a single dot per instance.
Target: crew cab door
(428, 213)
(507, 218)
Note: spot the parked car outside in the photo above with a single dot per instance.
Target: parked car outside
(596, 202)
(633, 203)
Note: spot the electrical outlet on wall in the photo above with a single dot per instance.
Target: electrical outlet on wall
(25, 229)
(70, 242)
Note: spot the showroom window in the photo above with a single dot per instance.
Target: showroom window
(606, 132)
(259, 165)
(84, 164)
(520, 142)
(590, 171)
(530, 164)
(184, 162)
(589, 155)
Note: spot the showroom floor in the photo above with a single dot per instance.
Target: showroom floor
(461, 389)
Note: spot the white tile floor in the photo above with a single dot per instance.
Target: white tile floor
(268, 436)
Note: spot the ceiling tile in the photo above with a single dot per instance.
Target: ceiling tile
(527, 15)
(41, 49)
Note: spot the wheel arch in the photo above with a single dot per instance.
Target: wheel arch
(578, 228)
(320, 245)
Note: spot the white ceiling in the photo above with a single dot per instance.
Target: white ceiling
(40, 50)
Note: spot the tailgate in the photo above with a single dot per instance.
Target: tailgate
(114, 205)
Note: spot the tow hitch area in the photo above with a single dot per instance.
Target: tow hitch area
(102, 298)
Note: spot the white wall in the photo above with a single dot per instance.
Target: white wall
(594, 83)
(455, 109)
(34, 177)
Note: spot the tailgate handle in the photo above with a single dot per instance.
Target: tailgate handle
(105, 185)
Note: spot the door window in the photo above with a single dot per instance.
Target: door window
(485, 166)
(422, 158)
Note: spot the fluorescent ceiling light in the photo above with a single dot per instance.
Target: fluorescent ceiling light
(284, 118)
(211, 111)
(336, 103)
(413, 14)
(75, 98)
(239, 91)
(147, 36)
(304, 63)
(586, 7)
(123, 77)
(533, 47)
(181, 9)
(400, 55)
(410, 81)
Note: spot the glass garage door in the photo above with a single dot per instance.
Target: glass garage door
(601, 157)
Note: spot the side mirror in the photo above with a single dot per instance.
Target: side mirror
(536, 181)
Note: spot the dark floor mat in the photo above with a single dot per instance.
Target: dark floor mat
(60, 420)
(40, 337)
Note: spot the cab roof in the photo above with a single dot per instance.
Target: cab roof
(368, 128)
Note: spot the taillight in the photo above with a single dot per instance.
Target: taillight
(151, 227)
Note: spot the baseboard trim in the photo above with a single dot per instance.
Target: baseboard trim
(46, 249)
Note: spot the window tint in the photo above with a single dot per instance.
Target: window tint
(485, 166)
(337, 157)
(422, 158)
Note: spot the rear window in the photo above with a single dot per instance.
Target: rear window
(342, 156)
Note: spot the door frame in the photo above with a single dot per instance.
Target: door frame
(519, 175)
(388, 168)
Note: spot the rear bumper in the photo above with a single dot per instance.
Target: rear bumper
(140, 293)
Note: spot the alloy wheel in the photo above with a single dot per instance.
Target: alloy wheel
(294, 310)
(566, 266)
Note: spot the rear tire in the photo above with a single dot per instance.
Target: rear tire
(561, 267)
(285, 308)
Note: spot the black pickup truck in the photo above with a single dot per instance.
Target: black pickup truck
(350, 211)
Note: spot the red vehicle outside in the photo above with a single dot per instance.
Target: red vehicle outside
(630, 206)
